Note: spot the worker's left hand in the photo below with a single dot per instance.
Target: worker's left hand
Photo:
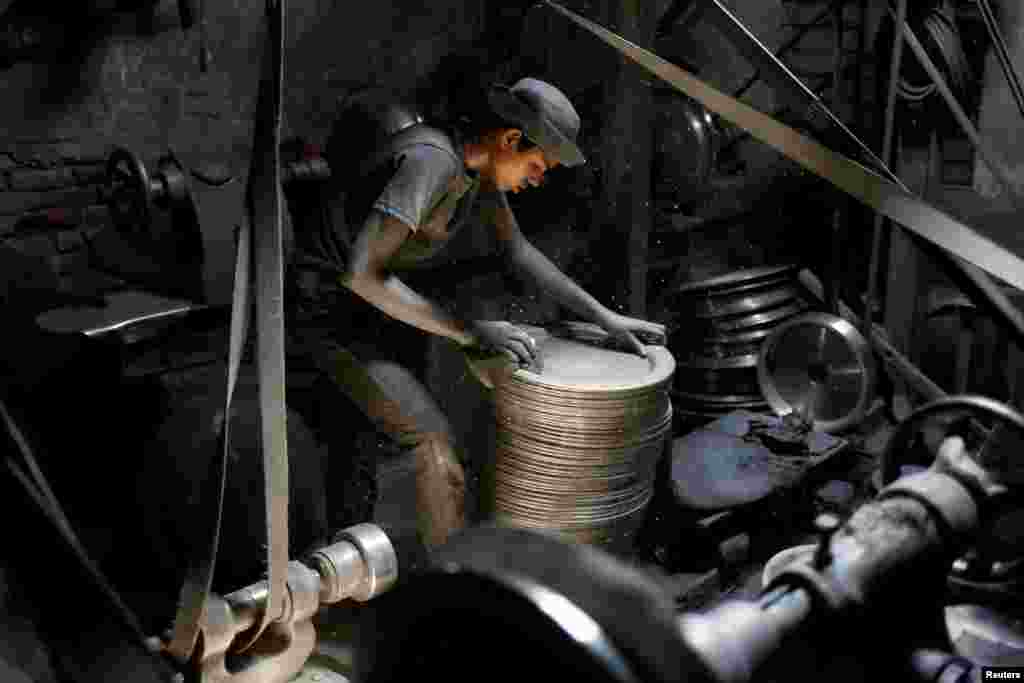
(633, 333)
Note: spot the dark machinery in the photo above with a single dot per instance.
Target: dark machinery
(519, 600)
(132, 191)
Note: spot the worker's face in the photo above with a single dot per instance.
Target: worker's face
(511, 169)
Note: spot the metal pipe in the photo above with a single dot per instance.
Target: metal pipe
(1012, 77)
(983, 148)
(887, 135)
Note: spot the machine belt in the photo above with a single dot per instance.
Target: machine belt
(264, 251)
(881, 194)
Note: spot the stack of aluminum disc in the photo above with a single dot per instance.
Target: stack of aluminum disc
(577, 442)
(720, 324)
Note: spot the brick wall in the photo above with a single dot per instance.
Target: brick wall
(135, 82)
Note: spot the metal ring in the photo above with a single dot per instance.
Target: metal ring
(820, 363)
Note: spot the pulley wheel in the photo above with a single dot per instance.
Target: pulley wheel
(743, 303)
(714, 327)
(526, 602)
(738, 280)
(172, 180)
(819, 366)
(130, 196)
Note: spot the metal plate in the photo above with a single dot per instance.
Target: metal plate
(752, 335)
(705, 363)
(738, 304)
(820, 366)
(574, 365)
(727, 350)
(685, 298)
(737, 400)
(718, 326)
(751, 276)
(577, 442)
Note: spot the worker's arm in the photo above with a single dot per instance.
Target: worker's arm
(532, 265)
(368, 277)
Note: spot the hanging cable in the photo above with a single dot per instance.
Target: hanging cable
(39, 492)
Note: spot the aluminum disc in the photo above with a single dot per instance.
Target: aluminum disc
(738, 278)
(821, 367)
(577, 441)
(742, 323)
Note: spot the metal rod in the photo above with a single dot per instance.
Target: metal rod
(1012, 77)
(836, 259)
(890, 115)
(790, 44)
(983, 148)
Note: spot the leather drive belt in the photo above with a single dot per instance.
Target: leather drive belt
(259, 266)
(883, 195)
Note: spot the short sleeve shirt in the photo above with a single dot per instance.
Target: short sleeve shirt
(432, 193)
(420, 181)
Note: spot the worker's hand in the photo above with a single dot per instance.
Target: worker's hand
(632, 333)
(504, 338)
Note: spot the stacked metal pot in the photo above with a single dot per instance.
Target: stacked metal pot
(716, 334)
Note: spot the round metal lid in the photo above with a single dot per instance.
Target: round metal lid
(572, 364)
(820, 366)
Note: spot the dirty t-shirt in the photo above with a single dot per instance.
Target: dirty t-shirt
(424, 185)
(432, 193)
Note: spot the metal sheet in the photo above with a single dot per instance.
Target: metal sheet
(819, 366)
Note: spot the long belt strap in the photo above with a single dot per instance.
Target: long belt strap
(263, 212)
(199, 578)
(881, 194)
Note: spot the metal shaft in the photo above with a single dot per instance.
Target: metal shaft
(999, 45)
(887, 135)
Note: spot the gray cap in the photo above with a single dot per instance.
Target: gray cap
(546, 115)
